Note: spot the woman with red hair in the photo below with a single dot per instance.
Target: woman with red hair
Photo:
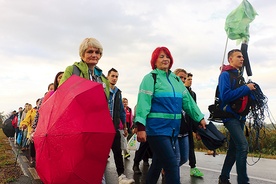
(161, 98)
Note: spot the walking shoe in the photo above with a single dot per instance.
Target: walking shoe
(124, 180)
(32, 164)
(127, 155)
(136, 169)
(223, 181)
(195, 172)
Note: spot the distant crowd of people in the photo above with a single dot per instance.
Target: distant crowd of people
(165, 118)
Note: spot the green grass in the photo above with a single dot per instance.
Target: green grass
(8, 170)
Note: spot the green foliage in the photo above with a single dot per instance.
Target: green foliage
(265, 145)
(10, 179)
(269, 142)
(1, 118)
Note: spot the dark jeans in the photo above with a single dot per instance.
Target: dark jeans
(183, 149)
(164, 150)
(117, 153)
(237, 152)
(24, 138)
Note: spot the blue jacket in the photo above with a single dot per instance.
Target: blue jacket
(117, 110)
(159, 104)
(228, 93)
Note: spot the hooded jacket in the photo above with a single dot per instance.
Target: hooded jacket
(159, 105)
(227, 91)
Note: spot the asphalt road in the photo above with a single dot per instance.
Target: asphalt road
(263, 172)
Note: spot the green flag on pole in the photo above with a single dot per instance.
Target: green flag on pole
(237, 22)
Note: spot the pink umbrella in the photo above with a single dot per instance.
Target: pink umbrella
(74, 134)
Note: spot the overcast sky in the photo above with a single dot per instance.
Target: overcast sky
(41, 38)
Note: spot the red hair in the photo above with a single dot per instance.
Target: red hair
(156, 53)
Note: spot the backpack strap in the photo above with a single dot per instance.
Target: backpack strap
(215, 113)
(154, 78)
(76, 70)
(239, 79)
(154, 81)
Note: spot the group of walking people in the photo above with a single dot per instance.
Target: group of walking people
(162, 100)
(165, 117)
(26, 119)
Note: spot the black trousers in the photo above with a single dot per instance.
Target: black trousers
(32, 149)
(117, 153)
(143, 152)
(192, 158)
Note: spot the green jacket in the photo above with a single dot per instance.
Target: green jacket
(159, 106)
(85, 74)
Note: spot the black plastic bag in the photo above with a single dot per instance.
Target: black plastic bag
(211, 137)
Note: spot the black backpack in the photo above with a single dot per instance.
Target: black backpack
(76, 70)
(241, 105)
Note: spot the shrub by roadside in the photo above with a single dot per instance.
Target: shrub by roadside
(267, 144)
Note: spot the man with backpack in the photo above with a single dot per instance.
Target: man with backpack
(232, 92)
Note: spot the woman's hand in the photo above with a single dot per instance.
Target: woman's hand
(202, 124)
(141, 136)
(125, 132)
(134, 130)
(24, 127)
